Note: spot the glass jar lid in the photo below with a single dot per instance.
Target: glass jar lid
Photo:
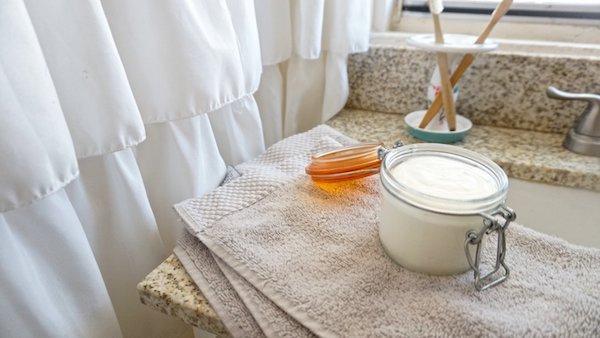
(444, 179)
(346, 163)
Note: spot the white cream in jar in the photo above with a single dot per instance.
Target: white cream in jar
(445, 178)
(432, 195)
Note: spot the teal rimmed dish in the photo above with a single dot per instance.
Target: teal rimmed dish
(437, 132)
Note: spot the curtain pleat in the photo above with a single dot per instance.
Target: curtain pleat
(270, 100)
(305, 87)
(273, 20)
(244, 23)
(175, 53)
(346, 26)
(337, 87)
(238, 130)
(112, 204)
(383, 13)
(307, 20)
(179, 159)
(51, 284)
(36, 150)
(90, 80)
(305, 79)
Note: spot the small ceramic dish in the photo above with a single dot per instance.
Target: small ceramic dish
(437, 130)
(453, 43)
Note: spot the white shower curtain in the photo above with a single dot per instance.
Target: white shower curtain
(304, 46)
(111, 111)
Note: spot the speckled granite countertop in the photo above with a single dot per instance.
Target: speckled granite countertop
(528, 155)
(523, 154)
(170, 289)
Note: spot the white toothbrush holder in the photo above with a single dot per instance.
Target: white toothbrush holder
(455, 45)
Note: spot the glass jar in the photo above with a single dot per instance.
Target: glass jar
(438, 202)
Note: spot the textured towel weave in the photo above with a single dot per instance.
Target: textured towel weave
(314, 251)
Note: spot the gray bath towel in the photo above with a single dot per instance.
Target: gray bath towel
(313, 250)
(203, 269)
(235, 300)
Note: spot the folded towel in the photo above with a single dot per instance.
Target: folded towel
(237, 311)
(205, 272)
(314, 251)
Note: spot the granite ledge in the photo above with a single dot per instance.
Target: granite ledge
(170, 290)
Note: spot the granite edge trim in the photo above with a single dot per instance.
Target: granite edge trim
(189, 310)
(551, 176)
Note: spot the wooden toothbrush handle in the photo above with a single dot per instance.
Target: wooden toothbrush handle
(466, 61)
(446, 86)
(446, 91)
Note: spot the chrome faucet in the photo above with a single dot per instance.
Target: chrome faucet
(584, 138)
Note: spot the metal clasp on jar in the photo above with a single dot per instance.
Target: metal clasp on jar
(497, 222)
(382, 151)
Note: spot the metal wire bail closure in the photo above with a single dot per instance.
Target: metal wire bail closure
(496, 222)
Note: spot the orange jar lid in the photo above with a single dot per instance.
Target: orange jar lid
(346, 163)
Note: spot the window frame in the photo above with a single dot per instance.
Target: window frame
(573, 11)
(520, 27)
